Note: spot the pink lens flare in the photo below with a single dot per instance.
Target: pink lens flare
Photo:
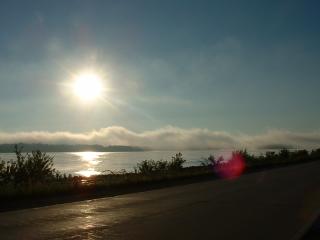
(230, 168)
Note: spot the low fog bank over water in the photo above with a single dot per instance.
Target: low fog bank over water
(88, 163)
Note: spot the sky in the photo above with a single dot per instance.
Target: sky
(177, 73)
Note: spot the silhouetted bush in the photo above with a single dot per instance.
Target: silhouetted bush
(176, 162)
(211, 161)
(269, 159)
(152, 166)
(146, 167)
(315, 154)
(284, 156)
(29, 168)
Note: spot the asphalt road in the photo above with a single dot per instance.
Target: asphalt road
(275, 204)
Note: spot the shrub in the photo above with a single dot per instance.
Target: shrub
(176, 162)
(284, 155)
(151, 166)
(315, 154)
(211, 161)
(145, 167)
(3, 174)
(29, 169)
(300, 155)
(161, 165)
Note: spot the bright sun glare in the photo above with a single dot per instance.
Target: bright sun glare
(87, 86)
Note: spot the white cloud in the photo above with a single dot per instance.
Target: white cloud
(169, 138)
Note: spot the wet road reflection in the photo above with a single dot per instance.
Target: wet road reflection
(81, 220)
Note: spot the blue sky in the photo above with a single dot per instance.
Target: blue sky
(231, 66)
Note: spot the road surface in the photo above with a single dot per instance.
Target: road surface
(275, 204)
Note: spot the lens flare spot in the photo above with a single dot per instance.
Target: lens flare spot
(230, 168)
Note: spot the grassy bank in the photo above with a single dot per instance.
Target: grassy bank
(31, 180)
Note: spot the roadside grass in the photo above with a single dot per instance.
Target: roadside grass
(32, 176)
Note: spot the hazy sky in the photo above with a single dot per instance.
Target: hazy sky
(231, 66)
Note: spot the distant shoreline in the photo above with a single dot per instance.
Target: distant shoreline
(28, 147)
(62, 148)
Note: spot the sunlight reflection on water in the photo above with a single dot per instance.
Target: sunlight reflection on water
(91, 159)
(88, 172)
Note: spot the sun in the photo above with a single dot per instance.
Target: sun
(87, 86)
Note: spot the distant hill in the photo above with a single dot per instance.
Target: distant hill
(277, 146)
(26, 147)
